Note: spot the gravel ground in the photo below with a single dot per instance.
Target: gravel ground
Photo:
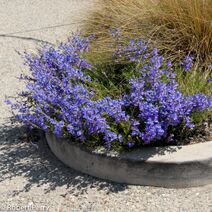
(30, 175)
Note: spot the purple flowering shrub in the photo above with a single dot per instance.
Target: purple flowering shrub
(61, 97)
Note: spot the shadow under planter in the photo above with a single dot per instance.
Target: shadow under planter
(173, 166)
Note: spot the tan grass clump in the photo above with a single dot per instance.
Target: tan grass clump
(176, 27)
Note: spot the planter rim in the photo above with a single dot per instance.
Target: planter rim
(185, 166)
(168, 154)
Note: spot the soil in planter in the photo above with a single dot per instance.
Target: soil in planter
(201, 134)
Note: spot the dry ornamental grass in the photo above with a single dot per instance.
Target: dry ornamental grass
(176, 27)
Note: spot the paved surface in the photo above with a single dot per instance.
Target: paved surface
(31, 176)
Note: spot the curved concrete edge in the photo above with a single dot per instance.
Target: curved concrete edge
(171, 167)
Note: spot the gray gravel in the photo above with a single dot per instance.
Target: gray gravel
(30, 175)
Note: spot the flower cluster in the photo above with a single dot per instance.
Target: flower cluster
(135, 50)
(158, 104)
(188, 63)
(58, 97)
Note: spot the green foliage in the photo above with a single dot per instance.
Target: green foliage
(194, 81)
(111, 79)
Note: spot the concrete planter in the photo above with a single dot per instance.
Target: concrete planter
(182, 166)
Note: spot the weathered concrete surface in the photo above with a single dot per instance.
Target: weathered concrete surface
(176, 167)
(30, 175)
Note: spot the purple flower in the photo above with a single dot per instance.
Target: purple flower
(116, 33)
(130, 144)
(58, 97)
(188, 63)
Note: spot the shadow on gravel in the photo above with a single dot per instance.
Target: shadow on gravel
(28, 155)
(22, 156)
